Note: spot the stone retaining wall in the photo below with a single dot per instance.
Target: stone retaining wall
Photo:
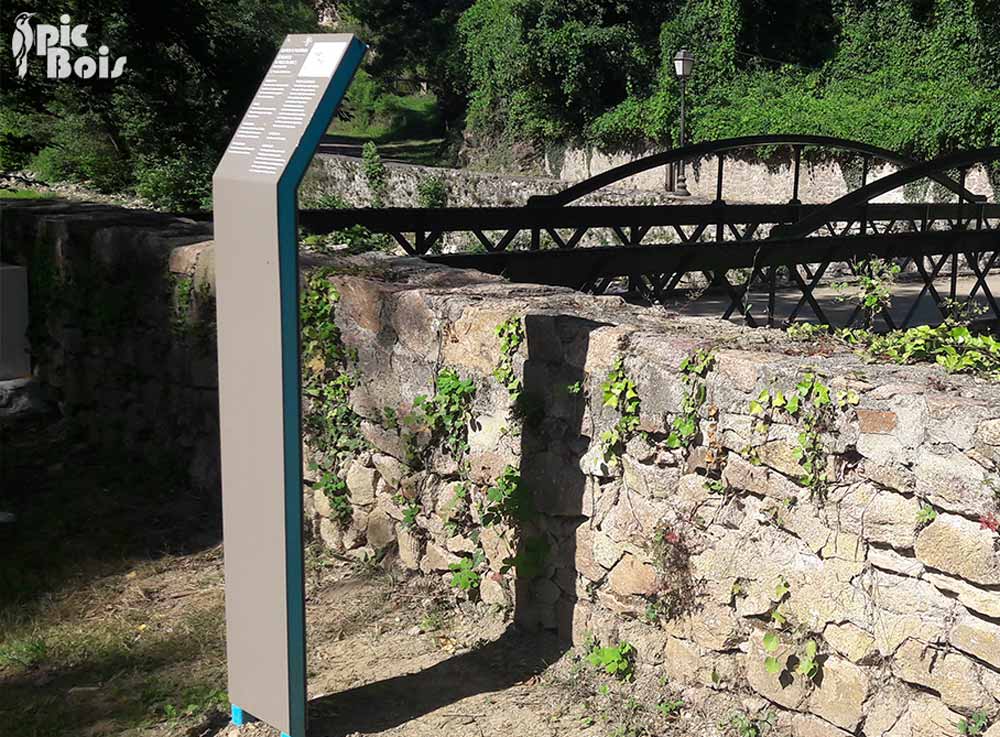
(122, 327)
(752, 180)
(707, 559)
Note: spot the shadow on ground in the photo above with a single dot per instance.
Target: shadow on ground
(374, 707)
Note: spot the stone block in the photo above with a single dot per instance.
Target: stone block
(953, 676)
(633, 577)
(841, 694)
(879, 516)
(978, 638)
(961, 547)
(953, 482)
(850, 641)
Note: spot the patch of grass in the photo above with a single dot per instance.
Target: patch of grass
(24, 194)
(111, 604)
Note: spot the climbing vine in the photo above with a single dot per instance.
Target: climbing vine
(684, 427)
(620, 393)
(812, 406)
(330, 425)
(511, 335)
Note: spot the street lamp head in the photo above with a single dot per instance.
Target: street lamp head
(683, 63)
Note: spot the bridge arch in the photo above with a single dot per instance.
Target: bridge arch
(721, 147)
(924, 170)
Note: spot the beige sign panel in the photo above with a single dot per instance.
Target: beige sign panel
(255, 207)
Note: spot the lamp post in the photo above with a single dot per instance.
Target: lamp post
(683, 64)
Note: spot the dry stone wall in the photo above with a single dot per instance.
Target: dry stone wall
(706, 546)
(122, 328)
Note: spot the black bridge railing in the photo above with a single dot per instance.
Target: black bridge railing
(650, 250)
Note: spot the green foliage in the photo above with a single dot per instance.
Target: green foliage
(23, 653)
(614, 660)
(335, 490)
(926, 514)
(953, 347)
(976, 725)
(160, 128)
(432, 192)
(357, 238)
(511, 334)
(670, 708)
(463, 573)
(620, 393)
(410, 512)
(449, 411)
(906, 76)
(329, 423)
(684, 427)
(873, 291)
(746, 725)
(507, 500)
(529, 562)
(814, 408)
(376, 175)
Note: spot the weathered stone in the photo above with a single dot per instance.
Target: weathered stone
(493, 590)
(381, 530)
(978, 638)
(650, 480)
(681, 660)
(634, 518)
(876, 421)
(926, 717)
(387, 441)
(781, 456)
(437, 558)
(961, 547)
(804, 725)
(889, 560)
(633, 577)
(783, 688)
(893, 476)
(953, 482)
(953, 676)
(331, 535)
(584, 561)
(321, 504)
(409, 548)
(879, 516)
(390, 469)
(850, 641)
(974, 598)
(460, 544)
(560, 489)
(899, 608)
(842, 695)
(495, 546)
(606, 551)
(885, 707)
(741, 474)
(361, 483)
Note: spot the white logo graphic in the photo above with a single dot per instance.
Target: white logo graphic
(54, 44)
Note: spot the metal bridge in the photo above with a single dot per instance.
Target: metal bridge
(657, 252)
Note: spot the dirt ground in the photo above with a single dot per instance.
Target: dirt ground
(112, 625)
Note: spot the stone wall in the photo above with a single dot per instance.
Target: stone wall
(751, 180)
(344, 176)
(122, 328)
(708, 559)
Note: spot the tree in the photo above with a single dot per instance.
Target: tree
(161, 127)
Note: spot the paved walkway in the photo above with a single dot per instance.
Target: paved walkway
(713, 304)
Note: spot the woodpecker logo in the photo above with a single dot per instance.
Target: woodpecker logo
(53, 43)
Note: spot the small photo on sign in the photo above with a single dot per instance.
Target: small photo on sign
(322, 59)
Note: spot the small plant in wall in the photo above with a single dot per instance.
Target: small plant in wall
(748, 725)
(684, 427)
(615, 660)
(448, 413)
(511, 335)
(507, 500)
(619, 393)
(336, 494)
(812, 404)
(925, 515)
(973, 726)
(464, 575)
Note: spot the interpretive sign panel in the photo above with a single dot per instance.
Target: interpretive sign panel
(254, 190)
